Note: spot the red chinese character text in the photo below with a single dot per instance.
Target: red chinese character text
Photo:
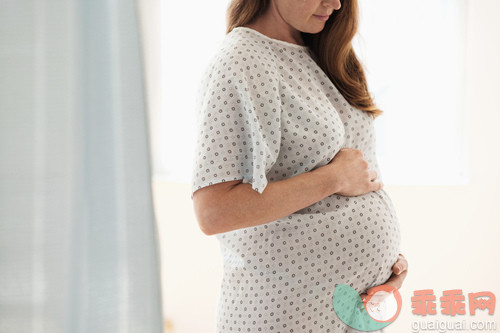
(423, 302)
(481, 303)
(452, 302)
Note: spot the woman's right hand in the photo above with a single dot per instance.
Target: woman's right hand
(231, 205)
(348, 170)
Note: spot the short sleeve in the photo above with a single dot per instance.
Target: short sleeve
(238, 122)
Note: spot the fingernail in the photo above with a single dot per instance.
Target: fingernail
(398, 269)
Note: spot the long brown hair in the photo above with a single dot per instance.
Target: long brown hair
(332, 46)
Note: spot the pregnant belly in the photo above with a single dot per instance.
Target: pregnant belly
(348, 240)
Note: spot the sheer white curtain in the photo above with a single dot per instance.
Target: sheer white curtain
(78, 242)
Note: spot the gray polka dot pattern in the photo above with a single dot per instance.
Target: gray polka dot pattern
(267, 113)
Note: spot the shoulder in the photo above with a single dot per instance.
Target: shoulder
(243, 54)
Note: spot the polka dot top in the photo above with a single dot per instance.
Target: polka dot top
(268, 112)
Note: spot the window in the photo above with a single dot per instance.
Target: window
(192, 32)
(413, 55)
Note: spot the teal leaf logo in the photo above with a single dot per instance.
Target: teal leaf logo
(380, 308)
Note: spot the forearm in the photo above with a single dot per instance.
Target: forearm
(242, 207)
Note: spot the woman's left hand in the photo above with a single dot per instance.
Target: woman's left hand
(399, 272)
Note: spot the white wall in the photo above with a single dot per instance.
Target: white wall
(151, 36)
(449, 233)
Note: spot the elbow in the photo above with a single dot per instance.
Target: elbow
(214, 213)
(209, 219)
(207, 226)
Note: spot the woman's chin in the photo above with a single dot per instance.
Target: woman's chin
(316, 29)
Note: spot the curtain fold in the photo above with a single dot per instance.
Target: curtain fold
(79, 247)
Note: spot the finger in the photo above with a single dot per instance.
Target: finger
(400, 266)
(380, 297)
(372, 175)
(375, 186)
(396, 281)
(372, 290)
(402, 258)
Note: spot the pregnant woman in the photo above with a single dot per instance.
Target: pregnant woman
(285, 171)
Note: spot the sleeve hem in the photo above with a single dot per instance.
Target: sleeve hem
(256, 186)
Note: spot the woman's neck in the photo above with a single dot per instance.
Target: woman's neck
(273, 26)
